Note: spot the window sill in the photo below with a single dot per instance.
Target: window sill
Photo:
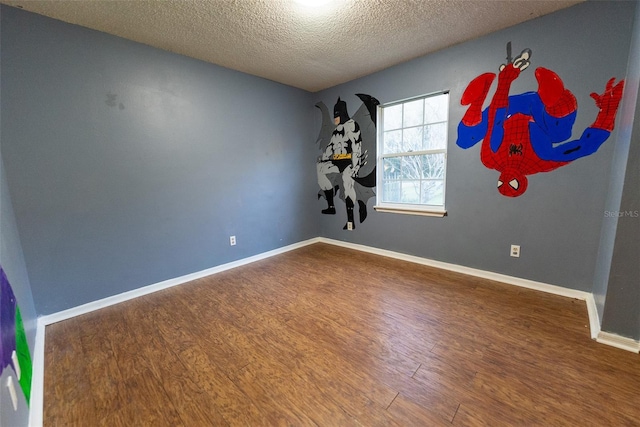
(410, 211)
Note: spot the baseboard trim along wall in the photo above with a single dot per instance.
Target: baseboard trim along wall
(594, 317)
(607, 338)
(618, 341)
(524, 283)
(36, 404)
(36, 407)
(37, 393)
(145, 290)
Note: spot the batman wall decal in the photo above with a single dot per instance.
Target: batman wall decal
(343, 167)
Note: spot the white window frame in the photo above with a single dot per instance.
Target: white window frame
(409, 208)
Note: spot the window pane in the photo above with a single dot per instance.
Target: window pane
(435, 136)
(392, 142)
(392, 192)
(433, 166)
(391, 168)
(412, 139)
(411, 167)
(412, 127)
(413, 113)
(432, 192)
(392, 117)
(410, 192)
(436, 108)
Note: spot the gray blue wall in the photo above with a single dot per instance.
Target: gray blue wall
(129, 165)
(558, 220)
(12, 262)
(622, 306)
(621, 311)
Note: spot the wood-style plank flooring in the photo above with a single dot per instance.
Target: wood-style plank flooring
(328, 336)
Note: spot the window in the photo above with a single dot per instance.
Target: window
(412, 155)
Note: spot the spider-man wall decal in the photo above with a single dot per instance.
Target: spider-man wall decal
(527, 133)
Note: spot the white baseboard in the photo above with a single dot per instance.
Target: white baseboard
(145, 290)
(618, 341)
(37, 378)
(594, 318)
(36, 408)
(592, 311)
(511, 280)
(37, 400)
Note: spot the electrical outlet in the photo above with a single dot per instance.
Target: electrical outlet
(232, 240)
(349, 225)
(515, 251)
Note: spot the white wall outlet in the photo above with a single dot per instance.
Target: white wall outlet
(12, 393)
(349, 225)
(232, 240)
(515, 251)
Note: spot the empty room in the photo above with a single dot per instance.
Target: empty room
(319, 213)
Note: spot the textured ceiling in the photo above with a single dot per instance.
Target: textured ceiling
(309, 48)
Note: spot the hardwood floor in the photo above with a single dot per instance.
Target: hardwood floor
(333, 337)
